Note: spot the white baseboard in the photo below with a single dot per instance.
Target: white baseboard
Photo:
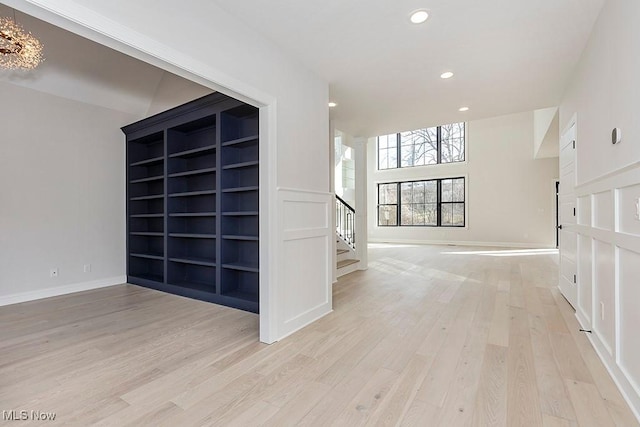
(60, 290)
(464, 243)
(630, 395)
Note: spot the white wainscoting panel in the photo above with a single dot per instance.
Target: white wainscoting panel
(604, 316)
(603, 210)
(584, 210)
(304, 291)
(609, 274)
(585, 273)
(629, 346)
(628, 198)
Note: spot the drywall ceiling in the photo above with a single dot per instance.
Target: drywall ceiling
(82, 70)
(507, 55)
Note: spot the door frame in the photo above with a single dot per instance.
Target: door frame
(568, 227)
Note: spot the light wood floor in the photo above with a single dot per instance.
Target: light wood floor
(428, 336)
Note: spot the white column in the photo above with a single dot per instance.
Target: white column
(332, 190)
(360, 146)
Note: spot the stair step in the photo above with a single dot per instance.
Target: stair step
(347, 262)
(342, 251)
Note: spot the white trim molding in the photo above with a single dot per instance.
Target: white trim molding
(608, 272)
(305, 240)
(60, 290)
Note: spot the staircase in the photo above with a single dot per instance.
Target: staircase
(347, 261)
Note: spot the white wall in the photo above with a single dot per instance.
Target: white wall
(217, 50)
(172, 91)
(510, 197)
(604, 94)
(61, 194)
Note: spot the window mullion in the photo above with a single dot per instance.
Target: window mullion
(398, 204)
(439, 201)
(439, 144)
(398, 162)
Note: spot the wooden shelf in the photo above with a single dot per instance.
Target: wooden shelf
(150, 179)
(149, 162)
(239, 141)
(195, 151)
(194, 261)
(253, 268)
(155, 215)
(193, 193)
(192, 172)
(154, 196)
(240, 189)
(150, 277)
(196, 286)
(193, 235)
(146, 233)
(241, 165)
(245, 296)
(192, 214)
(240, 213)
(147, 256)
(239, 237)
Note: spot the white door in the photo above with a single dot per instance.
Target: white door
(567, 198)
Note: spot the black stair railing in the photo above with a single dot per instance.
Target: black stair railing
(346, 222)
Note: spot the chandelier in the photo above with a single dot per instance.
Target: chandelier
(19, 49)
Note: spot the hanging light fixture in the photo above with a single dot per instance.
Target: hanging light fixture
(19, 49)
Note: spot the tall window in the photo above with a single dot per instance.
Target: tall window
(434, 203)
(420, 147)
(388, 151)
(388, 204)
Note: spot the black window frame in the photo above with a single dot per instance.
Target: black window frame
(438, 145)
(438, 205)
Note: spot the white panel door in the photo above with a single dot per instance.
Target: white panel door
(568, 239)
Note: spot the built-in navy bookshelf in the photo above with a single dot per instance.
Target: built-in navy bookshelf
(192, 201)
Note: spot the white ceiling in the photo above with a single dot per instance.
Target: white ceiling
(507, 55)
(82, 70)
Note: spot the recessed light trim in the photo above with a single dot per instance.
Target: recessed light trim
(463, 109)
(418, 16)
(446, 75)
(332, 104)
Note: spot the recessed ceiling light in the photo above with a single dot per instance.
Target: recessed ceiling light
(463, 109)
(446, 75)
(332, 104)
(419, 16)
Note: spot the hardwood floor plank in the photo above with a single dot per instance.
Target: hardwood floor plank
(491, 400)
(590, 408)
(523, 405)
(568, 357)
(554, 399)
(499, 331)
(427, 336)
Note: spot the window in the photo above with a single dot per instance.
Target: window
(452, 143)
(434, 203)
(388, 204)
(387, 151)
(421, 147)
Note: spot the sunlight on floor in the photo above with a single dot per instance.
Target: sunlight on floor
(389, 245)
(507, 252)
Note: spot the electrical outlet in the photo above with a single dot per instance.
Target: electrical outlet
(601, 310)
(87, 268)
(53, 272)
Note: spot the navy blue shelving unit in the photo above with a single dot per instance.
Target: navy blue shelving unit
(192, 201)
